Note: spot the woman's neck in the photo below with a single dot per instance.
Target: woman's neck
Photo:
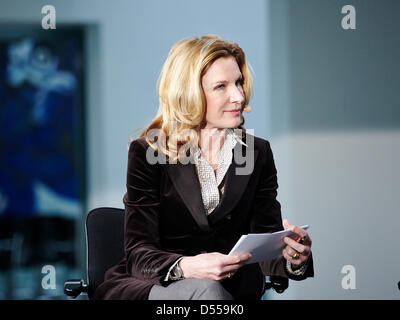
(210, 142)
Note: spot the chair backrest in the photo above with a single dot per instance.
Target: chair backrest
(104, 243)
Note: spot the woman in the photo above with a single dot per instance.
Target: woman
(196, 182)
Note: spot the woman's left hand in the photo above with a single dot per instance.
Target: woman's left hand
(295, 252)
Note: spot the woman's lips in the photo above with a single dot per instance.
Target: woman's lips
(234, 112)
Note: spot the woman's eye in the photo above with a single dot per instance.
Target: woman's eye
(238, 82)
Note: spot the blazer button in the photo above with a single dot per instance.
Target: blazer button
(228, 217)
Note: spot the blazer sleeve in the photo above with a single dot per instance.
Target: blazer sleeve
(266, 216)
(145, 259)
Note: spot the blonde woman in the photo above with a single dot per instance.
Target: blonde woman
(196, 182)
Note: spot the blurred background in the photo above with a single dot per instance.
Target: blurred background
(327, 99)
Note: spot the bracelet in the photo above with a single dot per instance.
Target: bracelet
(297, 272)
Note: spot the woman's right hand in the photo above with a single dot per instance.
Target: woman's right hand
(213, 266)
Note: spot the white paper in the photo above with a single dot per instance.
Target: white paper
(263, 246)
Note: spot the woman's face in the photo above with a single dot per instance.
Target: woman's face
(222, 85)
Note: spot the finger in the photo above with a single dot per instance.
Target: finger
(238, 261)
(237, 258)
(286, 255)
(230, 269)
(244, 256)
(305, 239)
(224, 276)
(299, 231)
(290, 251)
(228, 275)
(300, 248)
(302, 235)
(286, 224)
(222, 272)
(296, 262)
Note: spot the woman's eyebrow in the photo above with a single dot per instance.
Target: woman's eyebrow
(225, 81)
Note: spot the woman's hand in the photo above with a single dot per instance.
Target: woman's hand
(295, 252)
(213, 266)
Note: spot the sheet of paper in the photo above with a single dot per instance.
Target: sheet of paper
(263, 246)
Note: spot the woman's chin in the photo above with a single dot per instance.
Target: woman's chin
(231, 123)
(235, 123)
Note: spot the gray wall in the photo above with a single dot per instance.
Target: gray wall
(334, 122)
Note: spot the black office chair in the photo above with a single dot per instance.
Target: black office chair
(105, 248)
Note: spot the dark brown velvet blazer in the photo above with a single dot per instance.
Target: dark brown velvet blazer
(165, 219)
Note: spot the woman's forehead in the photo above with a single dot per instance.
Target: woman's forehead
(222, 70)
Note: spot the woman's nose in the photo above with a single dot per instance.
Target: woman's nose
(237, 95)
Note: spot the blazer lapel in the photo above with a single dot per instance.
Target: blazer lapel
(185, 180)
(235, 183)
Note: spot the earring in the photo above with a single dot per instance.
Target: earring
(247, 109)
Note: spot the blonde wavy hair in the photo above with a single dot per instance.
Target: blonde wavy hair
(182, 103)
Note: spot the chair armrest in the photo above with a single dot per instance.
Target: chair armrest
(74, 287)
(279, 284)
